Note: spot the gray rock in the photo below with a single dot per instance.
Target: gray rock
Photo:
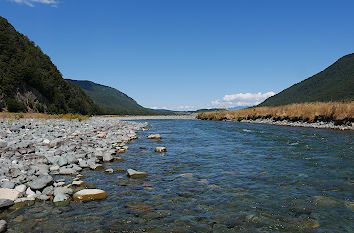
(48, 190)
(62, 161)
(67, 171)
(40, 182)
(7, 184)
(43, 197)
(107, 157)
(4, 203)
(3, 143)
(54, 168)
(3, 226)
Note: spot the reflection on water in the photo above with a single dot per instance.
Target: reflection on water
(216, 177)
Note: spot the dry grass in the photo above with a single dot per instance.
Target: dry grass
(11, 115)
(309, 112)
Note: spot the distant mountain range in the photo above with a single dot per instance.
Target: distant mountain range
(335, 83)
(113, 101)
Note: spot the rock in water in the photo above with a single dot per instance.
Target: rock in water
(3, 226)
(60, 198)
(4, 203)
(154, 136)
(107, 157)
(40, 182)
(78, 183)
(135, 174)
(160, 149)
(89, 195)
(10, 194)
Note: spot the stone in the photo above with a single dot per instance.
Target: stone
(67, 171)
(10, 194)
(29, 192)
(186, 175)
(59, 184)
(324, 201)
(3, 226)
(21, 188)
(7, 184)
(96, 166)
(118, 158)
(101, 135)
(40, 182)
(160, 149)
(62, 161)
(107, 157)
(60, 198)
(48, 191)
(4, 203)
(78, 183)
(89, 195)
(46, 141)
(121, 151)
(136, 174)
(3, 143)
(154, 136)
(43, 197)
(54, 168)
(62, 190)
(109, 170)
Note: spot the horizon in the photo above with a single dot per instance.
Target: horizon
(187, 56)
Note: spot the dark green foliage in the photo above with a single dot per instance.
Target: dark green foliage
(336, 83)
(25, 69)
(112, 101)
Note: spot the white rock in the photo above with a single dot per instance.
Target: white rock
(60, 198)
(29, 192)
(78, 183)
(154, 136)
(21, 188)
(54, 168)
(10, 194)
(136, 174)
(46, 141)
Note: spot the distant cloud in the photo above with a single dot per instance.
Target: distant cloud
(178, 108)
(31, 3)
(242, 99)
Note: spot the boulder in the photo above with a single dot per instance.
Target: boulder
(67, 171)
(154, 136)
(10, 194)
(4, 203)
(60, 198)
(160, 149)
(3, 226)
(29, 192)
(8, 184)
(40, 182)
(89, 195)
(136, 174)
(48, 190)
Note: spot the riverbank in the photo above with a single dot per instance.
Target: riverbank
(35, 151)
(334, 115)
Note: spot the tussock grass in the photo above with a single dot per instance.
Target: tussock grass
(17, 116)
(308, 112)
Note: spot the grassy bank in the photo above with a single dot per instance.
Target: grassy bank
(12, 115)
(338, 112)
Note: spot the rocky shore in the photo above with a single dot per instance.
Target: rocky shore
(319, 125)
(34, 151)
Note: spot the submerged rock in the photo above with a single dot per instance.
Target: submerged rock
(136, 174)
(160, 149)
(154, 136)
(186, 175)
(78, 183)
(89, 195)
(10, 194)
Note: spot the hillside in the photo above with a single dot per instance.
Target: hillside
(112, 101)
(335, 83)
(30, 82)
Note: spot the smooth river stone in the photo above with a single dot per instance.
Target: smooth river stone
(89, 195)
(154, 136)
(10, 194)
(160, 149)
(135, 174)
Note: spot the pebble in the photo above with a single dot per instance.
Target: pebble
(154, 136)
(160, 149)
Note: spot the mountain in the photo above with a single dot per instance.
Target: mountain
(112, 101)
(335, 83)
(30, 82)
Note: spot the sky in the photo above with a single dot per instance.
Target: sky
(188, 54)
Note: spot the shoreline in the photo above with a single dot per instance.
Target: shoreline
(35, 155)
(317, 125)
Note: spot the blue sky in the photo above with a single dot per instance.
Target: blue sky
(188, 54)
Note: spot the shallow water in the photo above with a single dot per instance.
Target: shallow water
(244, 177)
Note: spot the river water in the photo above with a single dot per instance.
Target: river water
(216, 177)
